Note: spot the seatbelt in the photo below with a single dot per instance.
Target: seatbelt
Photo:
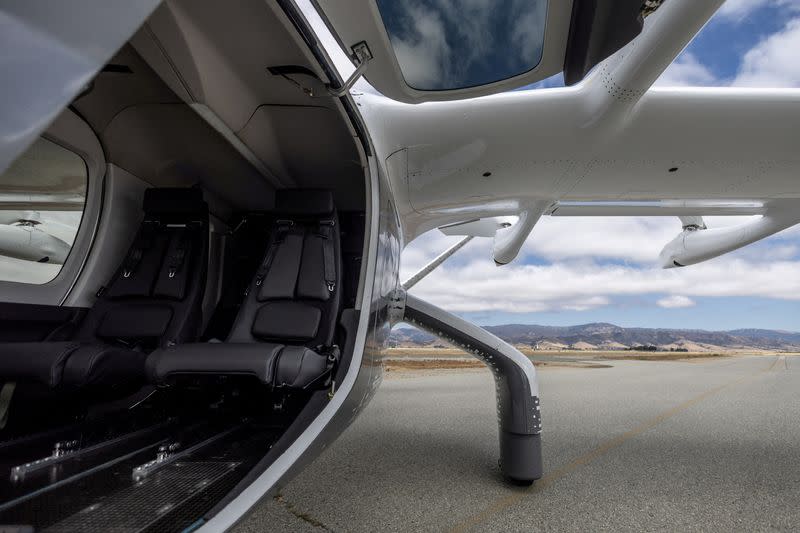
(5, 401)
(132, 261)
(178, 257)
(143, 242)
(328, 255)
(280, 234)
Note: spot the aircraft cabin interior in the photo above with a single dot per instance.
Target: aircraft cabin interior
(180, 260)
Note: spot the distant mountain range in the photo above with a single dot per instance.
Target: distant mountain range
(602, 336)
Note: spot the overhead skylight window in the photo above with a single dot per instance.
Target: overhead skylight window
(455, 44)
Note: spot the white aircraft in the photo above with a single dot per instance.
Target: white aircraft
(23, 235)
(221, 315)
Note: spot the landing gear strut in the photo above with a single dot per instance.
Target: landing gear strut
(515, 381)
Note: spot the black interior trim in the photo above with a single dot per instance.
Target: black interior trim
(288, 70)
(598, 29)
(32, 322)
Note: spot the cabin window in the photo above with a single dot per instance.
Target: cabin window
(42, 197)
(464, 43)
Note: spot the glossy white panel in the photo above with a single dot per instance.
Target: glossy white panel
(57, 48)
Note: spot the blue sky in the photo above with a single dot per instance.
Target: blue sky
(607, 270)
(736, 30)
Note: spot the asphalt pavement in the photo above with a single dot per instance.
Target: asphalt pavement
(701, 445)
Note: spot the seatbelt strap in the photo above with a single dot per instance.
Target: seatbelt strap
(6, 394)
(143, 242)
(132, 261)
(328, 256)
(178, 257)
(280, 234)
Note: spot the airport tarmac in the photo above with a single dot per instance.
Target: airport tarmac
(700, 445)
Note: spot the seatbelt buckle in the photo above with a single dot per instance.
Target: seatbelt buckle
(331, 286)
(334, 353)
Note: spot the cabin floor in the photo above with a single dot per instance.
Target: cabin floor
(157, 466)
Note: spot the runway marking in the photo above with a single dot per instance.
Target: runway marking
(305, 517)
(504, 503)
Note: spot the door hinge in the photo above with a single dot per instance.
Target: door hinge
(362, 56)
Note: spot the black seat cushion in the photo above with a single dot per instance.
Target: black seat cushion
(287, 321)
(135, 322)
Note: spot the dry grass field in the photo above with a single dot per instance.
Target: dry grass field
(426, 358)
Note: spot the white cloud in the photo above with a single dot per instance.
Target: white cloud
(687, 71)
(773, 62)
(635, 240)
(480, 286)
(424, 56)
(740, 9)
(675, 302)
(568, 274)
(527, 30)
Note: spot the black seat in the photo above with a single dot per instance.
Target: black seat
(285, 328)
(153, 300)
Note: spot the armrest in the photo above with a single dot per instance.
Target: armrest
(222, 358)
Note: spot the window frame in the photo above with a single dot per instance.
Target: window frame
(71, 133)
(354, 21)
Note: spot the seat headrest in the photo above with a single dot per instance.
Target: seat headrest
(174, 201)
(304, 202)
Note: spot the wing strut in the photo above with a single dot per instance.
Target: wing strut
(517, 388)
(433, 265)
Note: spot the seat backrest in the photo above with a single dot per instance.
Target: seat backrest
(295, 296)
(154, 299)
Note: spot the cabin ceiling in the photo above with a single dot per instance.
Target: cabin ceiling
(218, 56)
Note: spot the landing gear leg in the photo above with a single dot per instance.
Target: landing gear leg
(515, 380)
